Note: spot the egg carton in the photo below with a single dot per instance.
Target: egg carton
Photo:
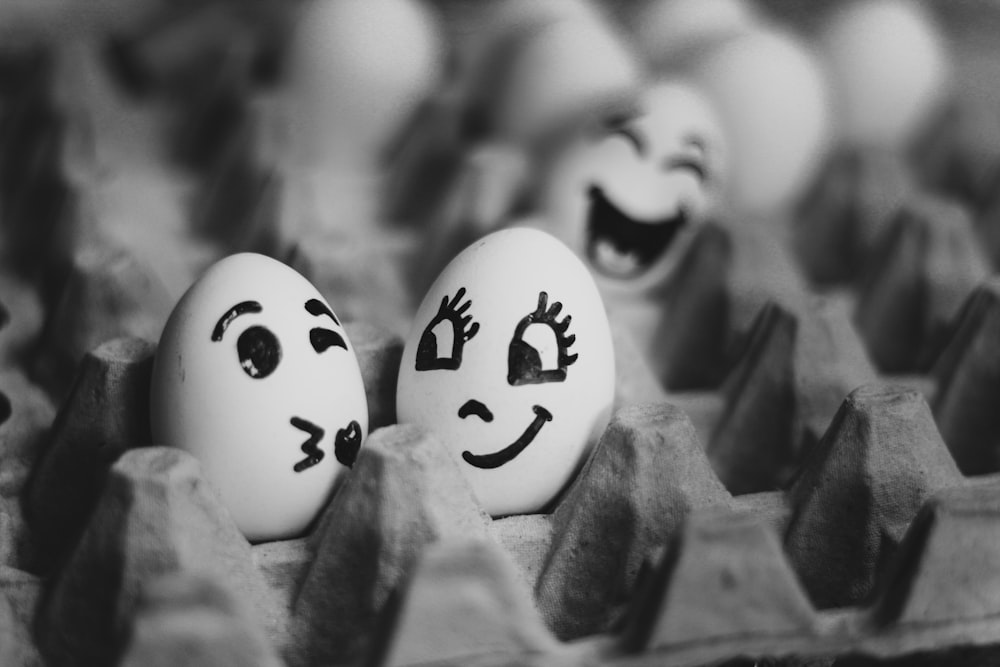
(647, 558)
(105, 414)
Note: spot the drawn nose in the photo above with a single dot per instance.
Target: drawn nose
(474, 407)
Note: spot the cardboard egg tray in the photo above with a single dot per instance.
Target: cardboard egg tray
(819, 486)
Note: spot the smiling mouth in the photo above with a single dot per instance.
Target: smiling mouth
(622, 247)
(507, 454)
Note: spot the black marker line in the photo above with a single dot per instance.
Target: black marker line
(242, 308)
(507, 454)
(311, 446)
(474, 407)
(347, 443)
(322, 339)
(316, 307)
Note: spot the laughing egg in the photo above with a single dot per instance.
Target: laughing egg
(255, 376)
(510, 363)
(629, 197)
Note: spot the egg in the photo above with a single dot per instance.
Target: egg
(665, 30)
(358, 69)
(255, 376)
(889, 64)
(510, 363)
(774, 102)
(628, 197)
(544, 76)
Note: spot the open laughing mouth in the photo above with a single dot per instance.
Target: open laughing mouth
(621, 247)
(497, 459)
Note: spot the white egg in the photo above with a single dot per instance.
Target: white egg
(889, 65)
(255, 376)
(666, 29)
(629, 197)
(358, 69)
(510, 363)
(773, 99)
(548, 74)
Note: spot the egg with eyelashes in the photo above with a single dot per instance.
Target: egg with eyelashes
(510, 363)
(256, 377)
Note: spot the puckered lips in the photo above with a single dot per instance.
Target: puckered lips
(622, 247)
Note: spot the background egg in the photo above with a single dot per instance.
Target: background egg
(774, 102)
(358, 69)
(256, 377)
(510, 363)
(889, 65)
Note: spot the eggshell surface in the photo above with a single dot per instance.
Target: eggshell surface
(255, 376)
(665, 29)
(358, 69)
(554, 73)
(890, 67)
(774, 101)
(510, 363)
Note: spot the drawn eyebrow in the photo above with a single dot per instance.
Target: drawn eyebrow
(323, 339)
(317, 308)
(242, 308)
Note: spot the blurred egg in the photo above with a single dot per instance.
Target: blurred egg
(477, 26)
(255, 376)
(666, 29)
(538, 78)
(358, 69)
(510, 363)
(628, 197)
(889, 66)
(773, 100)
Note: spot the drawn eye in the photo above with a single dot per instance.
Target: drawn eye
(620, 126)
(441, 344)
(323, 339)
(539, 350)
(692, 164)
(259, 352)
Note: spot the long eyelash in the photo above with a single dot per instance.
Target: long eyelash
(455, 310)
(545, 314)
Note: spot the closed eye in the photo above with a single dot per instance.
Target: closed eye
(323, 339)
(632, 137)
(692, 164)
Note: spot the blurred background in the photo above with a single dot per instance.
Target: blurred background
(843, 149)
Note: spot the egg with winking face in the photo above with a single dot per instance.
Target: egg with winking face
(510, 363)
(255, 376)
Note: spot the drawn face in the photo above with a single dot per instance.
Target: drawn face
(255, 376)
(510, 363)
(628, 198)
